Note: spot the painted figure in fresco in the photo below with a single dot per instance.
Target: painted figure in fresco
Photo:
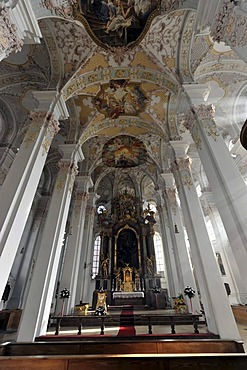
(120, 97)
(113, 22)
(123, 18)
(100, 8)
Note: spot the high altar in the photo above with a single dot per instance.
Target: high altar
(127, 271)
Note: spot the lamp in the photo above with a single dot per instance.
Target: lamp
(176, 229)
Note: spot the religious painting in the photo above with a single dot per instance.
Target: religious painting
(127, 249)
(124, 152)
(120, 97)
(115, 23)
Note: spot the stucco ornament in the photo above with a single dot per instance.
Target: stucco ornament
(9, 38)
(230, 24)
(184, 167)
(206, 116)
(170, 5)
(61, 8)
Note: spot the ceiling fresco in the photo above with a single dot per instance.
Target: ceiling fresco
(116, 22)
(123, 152)
(120, 97)
(122, 76)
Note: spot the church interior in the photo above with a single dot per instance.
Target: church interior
(123, 173)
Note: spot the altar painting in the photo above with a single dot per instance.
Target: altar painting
(120, 97)
(117, 22)
(124, 152)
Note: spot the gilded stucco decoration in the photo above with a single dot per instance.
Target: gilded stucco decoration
(66, 175)
(158, 105)
(206, 116)
(168, 6)
(37, 121)
(59, 8)
(184, 167)
(76, 46)
(10, 40)
(230, 24)
(112, 127)
(186, 40)
(172, 196)
(163, 37)
(79, 83)
(189, 122)
(142, 60)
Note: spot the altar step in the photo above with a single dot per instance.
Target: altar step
(127, 307)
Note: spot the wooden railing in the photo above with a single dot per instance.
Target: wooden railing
(139, 320)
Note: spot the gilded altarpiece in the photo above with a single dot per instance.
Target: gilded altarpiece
(127, 269)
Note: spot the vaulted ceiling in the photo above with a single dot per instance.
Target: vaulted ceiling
(150, 74)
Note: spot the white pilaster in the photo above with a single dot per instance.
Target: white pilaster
(182, 257)
(226, 182)
(219, 315)
(7, 157)
(29, 243)
(84, 288)
(69, 278)
(36, 311)
(19, 187)
(172, 276)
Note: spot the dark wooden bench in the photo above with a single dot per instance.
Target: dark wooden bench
(127, 362)
(115, 345)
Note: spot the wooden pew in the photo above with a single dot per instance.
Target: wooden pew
(126, 362)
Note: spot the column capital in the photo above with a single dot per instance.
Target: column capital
(180, 148)
(206, 115)
(71, 152)
(10, 37)
(18, 25)
(84, 183)
(198, 93)
(230, 24)
(50, 101)
(205, 111)
(169, 180)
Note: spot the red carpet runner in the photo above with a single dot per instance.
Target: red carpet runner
(127, 327)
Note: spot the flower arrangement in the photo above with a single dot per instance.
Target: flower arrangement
(65, 293)
(100, 311)
(190, 292)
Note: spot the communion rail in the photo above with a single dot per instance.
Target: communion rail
(139, 320)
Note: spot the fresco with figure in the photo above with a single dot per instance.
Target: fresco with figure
(124, 151)
(117, 22)
(120, 98)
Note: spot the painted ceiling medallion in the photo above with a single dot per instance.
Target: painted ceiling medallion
(120, 98)
(124, 152)
(116, 23)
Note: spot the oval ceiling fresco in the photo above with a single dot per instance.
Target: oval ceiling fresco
(120, 97)
(114, 23)
(124, 152)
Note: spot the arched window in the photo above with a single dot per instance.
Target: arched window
(96, 257)
(159, 255)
